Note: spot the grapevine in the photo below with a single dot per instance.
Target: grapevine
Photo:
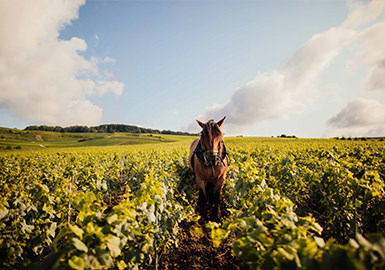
(288, 203)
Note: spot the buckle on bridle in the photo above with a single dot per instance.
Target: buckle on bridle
(213, 152)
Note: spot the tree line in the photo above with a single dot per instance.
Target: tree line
(107, 128)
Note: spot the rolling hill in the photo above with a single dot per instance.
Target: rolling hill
(39, 139)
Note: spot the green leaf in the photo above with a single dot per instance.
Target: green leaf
(266, 240)
(3, 213)
(286, 254)
(25, 228)
(38, 249)
(196, 229)
(151, 217)
(76, 230)
(79, 245)
(316, 227)
(90, 197)
(47, 208)
(363, 242)
(52, 229)
(76, 263)
(146, 248)
(217, 234)
(287, 251)
(121, 265)
(113, 245)
(242, 224)
(44, 188)
(112, 219)
(354, 243)
(320, 242)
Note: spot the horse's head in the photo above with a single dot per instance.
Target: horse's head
(211, 136)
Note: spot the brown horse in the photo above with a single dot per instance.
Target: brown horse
(208, 161)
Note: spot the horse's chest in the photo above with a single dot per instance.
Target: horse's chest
(213, 173)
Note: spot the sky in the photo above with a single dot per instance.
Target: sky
(294, 67)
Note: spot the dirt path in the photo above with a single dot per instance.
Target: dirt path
(195, 251)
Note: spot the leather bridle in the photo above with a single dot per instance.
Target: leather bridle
(213, 157)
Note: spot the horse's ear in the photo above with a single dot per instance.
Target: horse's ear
(220, 122)
(201, 124)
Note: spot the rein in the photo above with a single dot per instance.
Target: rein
(211, 157)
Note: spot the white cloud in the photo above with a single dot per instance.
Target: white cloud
(284, 90)
(360, 117)
(371, 53)
(363, 14)
(288, 88)
(112, 86)
(263, 98)
(44, 79)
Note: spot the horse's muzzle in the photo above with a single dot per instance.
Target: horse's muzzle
(212, 158)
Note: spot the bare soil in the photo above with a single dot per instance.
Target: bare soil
(195, 251)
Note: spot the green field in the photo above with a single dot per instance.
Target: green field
(287, 204)
(21, 139)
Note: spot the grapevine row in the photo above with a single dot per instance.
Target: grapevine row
(290, 203)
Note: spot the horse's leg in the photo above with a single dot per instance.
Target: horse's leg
(202, 205)
(210, 199)
(202, 199)
(216, 215)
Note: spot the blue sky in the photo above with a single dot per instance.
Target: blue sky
(296, 67)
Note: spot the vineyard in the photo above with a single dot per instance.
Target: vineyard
(287, 204)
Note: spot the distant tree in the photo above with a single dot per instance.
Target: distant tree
(58, 129)
(110, 128)
(166, 132)
(32, 128)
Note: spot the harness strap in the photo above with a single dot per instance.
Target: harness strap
(192, 161)
(200, 153)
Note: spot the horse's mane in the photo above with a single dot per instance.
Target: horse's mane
(212, 128)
